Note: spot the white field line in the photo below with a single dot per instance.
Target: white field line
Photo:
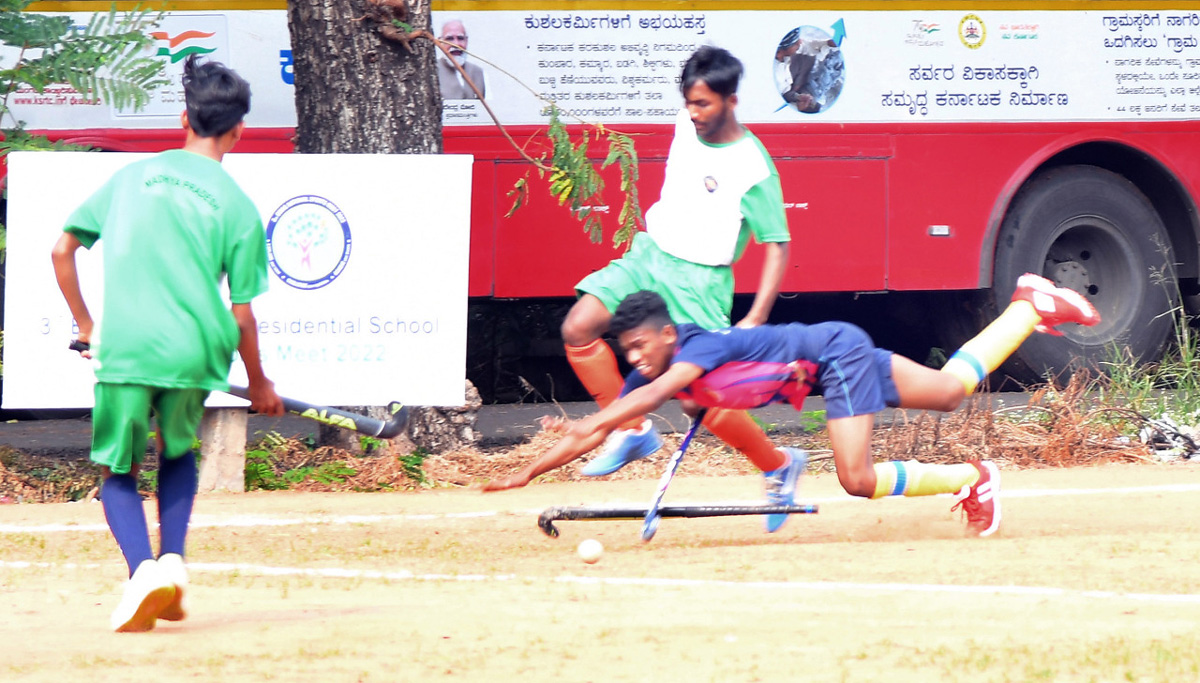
(772, 586)
(212, 521)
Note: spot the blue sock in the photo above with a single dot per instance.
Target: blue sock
(176, 493)
(127, 519)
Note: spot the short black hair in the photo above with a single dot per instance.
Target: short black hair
(640, 309)
(716, 66)
(217, 98)
(789, 39)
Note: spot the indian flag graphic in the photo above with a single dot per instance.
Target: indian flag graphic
(180, 45)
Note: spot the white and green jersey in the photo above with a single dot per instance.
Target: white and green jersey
(173, 226)
(714, 197)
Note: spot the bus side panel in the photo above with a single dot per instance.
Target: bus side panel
(483, 229)
(837, 214)
(836, 211)
(944, 188)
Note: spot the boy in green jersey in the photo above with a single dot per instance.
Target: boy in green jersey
(174, 226)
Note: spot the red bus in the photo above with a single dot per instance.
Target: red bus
(923, 146)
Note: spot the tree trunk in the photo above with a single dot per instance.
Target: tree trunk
(361, 91)
(358, 92)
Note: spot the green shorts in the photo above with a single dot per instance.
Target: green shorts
(694, 293)
(121, 422)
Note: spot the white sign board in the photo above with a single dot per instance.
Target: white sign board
(371, 309)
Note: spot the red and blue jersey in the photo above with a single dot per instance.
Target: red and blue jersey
(750, 368)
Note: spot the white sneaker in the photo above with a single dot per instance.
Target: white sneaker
(176, 572)
(147, 592)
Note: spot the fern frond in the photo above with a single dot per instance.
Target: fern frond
(27, 30)
(106, 59)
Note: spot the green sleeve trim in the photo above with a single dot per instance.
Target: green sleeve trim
(762, 215)
(762, 211)
(762, 205)
(86, 236)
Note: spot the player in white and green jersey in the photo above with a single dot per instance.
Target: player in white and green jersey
(173, 228)
(715, 197)
(721, 188)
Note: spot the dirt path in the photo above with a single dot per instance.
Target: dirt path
(1095, 575)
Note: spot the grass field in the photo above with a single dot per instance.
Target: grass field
(1094, 576)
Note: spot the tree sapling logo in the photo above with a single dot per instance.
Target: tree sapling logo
(308, 242)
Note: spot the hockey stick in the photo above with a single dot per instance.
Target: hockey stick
(551, 515)
(362, 424)
(341, 418)
(345, 419)
(650, 525)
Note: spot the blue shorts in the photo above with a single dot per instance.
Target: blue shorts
(856, 377)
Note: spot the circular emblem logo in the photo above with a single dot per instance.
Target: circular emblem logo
(972, 32)
(308, 242)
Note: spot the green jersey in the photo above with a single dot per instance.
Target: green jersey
(173, 226)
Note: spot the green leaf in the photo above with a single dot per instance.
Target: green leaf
(519, 192)
(575, 179)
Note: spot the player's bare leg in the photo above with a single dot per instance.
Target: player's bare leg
(851, 441)
(977, 483)
(590, 356)
(586, 322)
(923, 388)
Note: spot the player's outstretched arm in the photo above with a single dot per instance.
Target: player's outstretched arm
(583, 436)
(586, 434)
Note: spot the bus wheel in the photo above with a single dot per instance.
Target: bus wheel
(1092, 230)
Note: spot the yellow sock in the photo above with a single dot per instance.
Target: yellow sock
(912, 478)
(980, 356)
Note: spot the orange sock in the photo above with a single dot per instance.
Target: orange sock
(596, 367)
(738, 429)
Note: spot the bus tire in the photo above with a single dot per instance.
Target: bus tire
(1091, 230)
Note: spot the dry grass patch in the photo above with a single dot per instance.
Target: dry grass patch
(1058, 428)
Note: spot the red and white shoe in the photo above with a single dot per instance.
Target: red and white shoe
(1056, 305)
(981, 502)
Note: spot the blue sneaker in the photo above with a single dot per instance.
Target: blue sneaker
(781, 485)
(623, 447)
